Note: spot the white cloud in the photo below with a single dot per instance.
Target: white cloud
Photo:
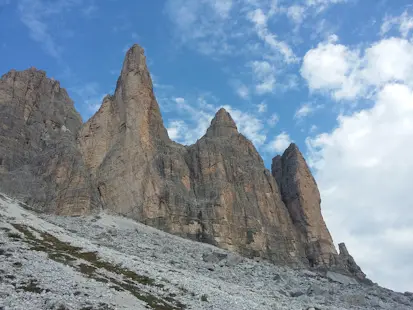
(303, 111)
(241, 89)
(296, 13)
(262, 107)
(349, 74)
(264, 74)
(273, 120)
(91, 97)
(37, 15)
(179, 100)
(222, 7)
(176, 129)
(259, 19)
(330, 67)
(203, 24)
(364, 168)
(279, 144)
(321, 5)
(389, 60)
(249, 125)
(313, 128)
(404, 23)
(196, 115)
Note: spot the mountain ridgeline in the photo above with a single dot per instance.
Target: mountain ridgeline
(122, 161)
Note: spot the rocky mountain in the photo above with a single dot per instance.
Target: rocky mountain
(122, 160)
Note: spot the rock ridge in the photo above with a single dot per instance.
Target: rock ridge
(122, 160)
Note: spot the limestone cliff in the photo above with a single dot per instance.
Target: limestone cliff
(122, 160)
(300, 194)
(39, 159)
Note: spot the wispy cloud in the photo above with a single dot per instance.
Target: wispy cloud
(404, 23)
(264, 75)
(273, 120)
(195, 116)
(37, 16)
(90, 96)
(305, 110)
(259, 19)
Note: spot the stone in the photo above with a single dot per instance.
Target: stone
(340, 278)
(349, 264)
(233, 260)
(296, 293)
(300, 194)
(40, 163)
(213, 257)
(315, 290)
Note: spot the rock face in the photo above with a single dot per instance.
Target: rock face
(39, 159)
(300, 194)
(347, 263)
(216, 191)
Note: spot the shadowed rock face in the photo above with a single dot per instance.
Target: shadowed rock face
(217, 190)
(39, 159)
(300, 194)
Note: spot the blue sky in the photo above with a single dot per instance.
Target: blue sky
(334, 76)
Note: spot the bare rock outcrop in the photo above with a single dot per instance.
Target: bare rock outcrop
(300, 194)
(239, 204)
(347, 263)
(39, 159)
(122, 160)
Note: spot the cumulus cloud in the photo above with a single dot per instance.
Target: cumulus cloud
(348, 73)
(279, 143)
(364, 169)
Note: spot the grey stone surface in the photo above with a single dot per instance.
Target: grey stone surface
(340, 278)
(39, 159)
(300, 194)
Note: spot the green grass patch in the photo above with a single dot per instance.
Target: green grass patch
(68, 254)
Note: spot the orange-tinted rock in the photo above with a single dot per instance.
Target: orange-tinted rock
(301, 196)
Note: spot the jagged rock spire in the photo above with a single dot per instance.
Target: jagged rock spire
(222, 125)
(135, 100)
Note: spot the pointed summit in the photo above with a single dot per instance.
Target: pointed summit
(135, 100)
(222, 125)
(135, 63)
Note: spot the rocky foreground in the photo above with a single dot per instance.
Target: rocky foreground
(108, 262)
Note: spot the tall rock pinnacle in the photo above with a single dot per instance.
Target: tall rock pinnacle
(138, 110)
(300, 194)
